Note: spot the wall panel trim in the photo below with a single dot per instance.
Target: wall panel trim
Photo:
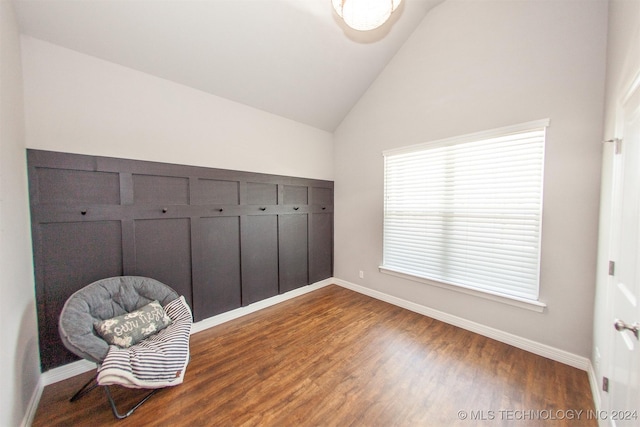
(100, 216)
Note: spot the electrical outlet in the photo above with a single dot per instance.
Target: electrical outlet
(361, 274)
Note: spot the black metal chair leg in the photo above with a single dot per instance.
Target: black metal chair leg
(117, 414)
(85, 389)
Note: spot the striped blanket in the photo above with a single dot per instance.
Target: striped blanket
(158, 361)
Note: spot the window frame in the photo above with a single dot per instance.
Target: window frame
(529, 303)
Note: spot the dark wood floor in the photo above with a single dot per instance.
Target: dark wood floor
(334, 357)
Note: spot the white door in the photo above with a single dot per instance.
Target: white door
(624, 384)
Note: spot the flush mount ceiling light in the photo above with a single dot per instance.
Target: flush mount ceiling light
(365, 15)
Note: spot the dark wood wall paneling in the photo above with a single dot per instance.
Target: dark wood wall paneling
(223, 239)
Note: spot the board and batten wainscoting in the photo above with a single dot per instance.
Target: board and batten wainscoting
(224, 239)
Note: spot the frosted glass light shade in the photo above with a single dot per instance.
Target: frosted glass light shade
(365, 15)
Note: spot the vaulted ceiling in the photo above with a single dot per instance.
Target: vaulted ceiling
(293, 58)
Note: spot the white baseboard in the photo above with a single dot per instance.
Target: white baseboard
(81, 366)
(72, 369)
(595, 386)
(32, 406)
(50, 377)
(252, 308)
(523, 343)
(64, 372)
(598, 394)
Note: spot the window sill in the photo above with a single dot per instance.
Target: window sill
(505, 299)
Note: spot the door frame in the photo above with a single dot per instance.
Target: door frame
(615, 214)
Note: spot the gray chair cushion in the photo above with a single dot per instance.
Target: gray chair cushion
(103, 300)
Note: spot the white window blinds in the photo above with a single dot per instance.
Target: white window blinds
(467, 211)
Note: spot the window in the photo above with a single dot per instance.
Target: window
(467, 211)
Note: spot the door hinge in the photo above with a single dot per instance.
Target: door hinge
(605, 384)
(617, 145)
(612, 268)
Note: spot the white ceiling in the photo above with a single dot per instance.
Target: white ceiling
(293, 58)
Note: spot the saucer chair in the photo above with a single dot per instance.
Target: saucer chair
(136, 329)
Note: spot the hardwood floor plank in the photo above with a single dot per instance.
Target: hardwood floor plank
(334, 357)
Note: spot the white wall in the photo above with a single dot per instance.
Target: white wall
(472, 66)
(18, 335)
(80, 104)
(623, 62)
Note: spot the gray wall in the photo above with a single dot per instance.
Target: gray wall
(18, 335)
(472, 66)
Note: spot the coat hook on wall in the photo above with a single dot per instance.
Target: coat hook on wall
(164, 210)
(83, 212)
